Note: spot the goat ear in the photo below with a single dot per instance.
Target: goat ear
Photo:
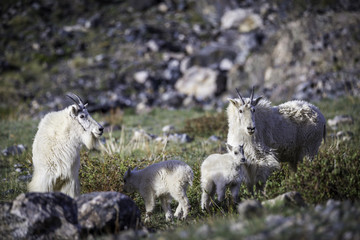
(128, 172)
(73, 111)
(229, 147)
(256, 101)
(233, 102)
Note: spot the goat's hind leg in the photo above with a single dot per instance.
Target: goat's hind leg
(207, 192)
(184, 205)
(165, 204)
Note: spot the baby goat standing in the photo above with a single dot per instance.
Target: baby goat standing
(166, 180)
(220, 171)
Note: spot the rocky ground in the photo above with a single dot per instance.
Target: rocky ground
(173, 54)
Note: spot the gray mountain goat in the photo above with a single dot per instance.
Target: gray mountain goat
(293, 129)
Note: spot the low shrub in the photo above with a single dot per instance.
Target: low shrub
(207, 125)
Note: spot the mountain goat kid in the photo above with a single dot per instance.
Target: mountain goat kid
(258, 167)
(167, 180)
(56, 148)
(293, 129)
(219, 171)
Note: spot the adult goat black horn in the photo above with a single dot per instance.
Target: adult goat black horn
(240, 96)
(252, 95)
(80, 103)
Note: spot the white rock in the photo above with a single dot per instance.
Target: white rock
(226, 64)
(168, 129)
(242, 19)
(153, 46)
(141, 76)
(340, 120)
(198, 82)
(163, 8)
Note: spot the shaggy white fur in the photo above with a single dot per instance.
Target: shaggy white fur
(165, 180)
(56, 150)
(293, 130)
(258, 167)
(219, 171)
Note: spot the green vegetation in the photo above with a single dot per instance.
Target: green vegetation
(335, 174)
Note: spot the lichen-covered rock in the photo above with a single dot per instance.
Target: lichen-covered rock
(107, 212)
(40, 216)
(340, 120)
(287, 199)
(249, 208)
(14, 150)
(198, 82)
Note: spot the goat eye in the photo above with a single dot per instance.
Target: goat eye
(82, 116)
(236, 153)
(240, 111)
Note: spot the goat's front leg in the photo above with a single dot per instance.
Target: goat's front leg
(149, 200)
(235, 192)
(220, 191)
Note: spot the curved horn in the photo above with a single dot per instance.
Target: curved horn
(240, 96)
(80, 103)
(252, 95)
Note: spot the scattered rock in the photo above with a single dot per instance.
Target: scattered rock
(211, 55)
(249, 208)
(141, 135)
(342, 137)
(340, 120)
(226, 64)
(168, 129)
(179, 138)
(242, 19)
(214, 138)
(286, 199)
(286, 50)
(198, 82)
(40, 216)
(203, 231)
(14, 150)
(107, 212)
(141, 76)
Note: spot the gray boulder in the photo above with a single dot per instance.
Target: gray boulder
(287, 199)
(39, 216)
(14, 150)
(249, 208)
(106, 212)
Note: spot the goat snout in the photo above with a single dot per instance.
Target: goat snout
(251, 130)
(243, 160)
(101, 129)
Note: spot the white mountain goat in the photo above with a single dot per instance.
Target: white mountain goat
(56, 148)
(165, 180)
(219, 171)
(293, 129)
